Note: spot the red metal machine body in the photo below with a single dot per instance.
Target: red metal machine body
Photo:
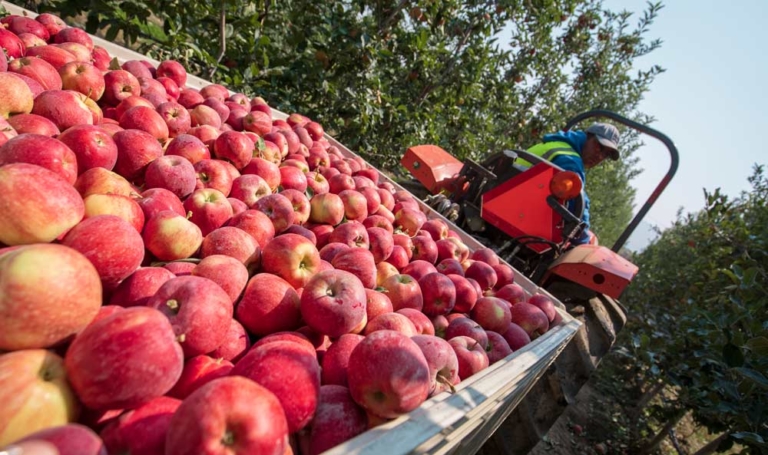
(432, 166)
(595, 267)
(519, 207)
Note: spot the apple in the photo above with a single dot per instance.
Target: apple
(498, 348)
(249, 188)
(140, 286)
(463, 326)
(226, 271)
(15, 95)
(398, 258)
(264, 169)
(233, 242)
(388, 374)
(214, 174)
(545, 304)
(439, 294)
(466, 295)
(235, 147)
(355, 205)
(326, 208)
(384, 270)
(451, 248)
(156, 200)
(359, 262)
(340, 182)
(180, 268)
(352, 233)
(42, 151)
(404, 292)
(186, 145)
(65, 108)
(98, 180)
(92, 145)
(173, 173)
(147, 364)
(141, 430)
(437, 229)
(52, 54)
(442, 361)
(512, 293)
(73, 35)
(333, 302)
(210, 209)
(424, 248)
(392, 321)
(114, 204)
(38, 69)
(293, 178)
(381, 243)
(279, 209)
(530, 318)
(52, 23)
(387, 200)
(470, 354)
(204, 115)
(450, 267)
(137, 68)
(70, 439)
(516, 337)
(231, 415)
(336, 359)
(337, 419)
(322, 233)
(504, 274)
(119, 85)
(297, 337)
(304, 232)
(405, 242)
(419, 269)
(199, 311)
(31, 123)
(83, 77)
(22, 24)
(291, 257)
(135, 150)
(492, 314)
(197, 372)
(145, 119)
(269, 304)
(255, 223)
(483, 274)
(378, 221)
(330, 250)
(236, 343)
(36, 213)
(112, 245)
(35, 393)
(170, 236)
(291, 373)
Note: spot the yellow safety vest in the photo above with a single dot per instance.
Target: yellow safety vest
(549, 151)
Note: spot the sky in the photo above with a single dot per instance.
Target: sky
(711, 100)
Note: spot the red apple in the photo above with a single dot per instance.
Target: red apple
(419, 269)
(439, 294)
(516, 337)
(463, 326)
(545, 304)
(214, 174)
(359, 262)
(124, 360)
(486, 255)
(141, 430)
(278, 208)
(170, 236)
(404, 292)
(140, 286)
(23, 24)
(114, 204)
(250, 188)
(388, 374)
(119, 85)
(38, 69)
(112, 245)
(338, 419)
(452, 248)
(384, 270)
(235, 147)
(226, 271)
(470, 354)
(43, 151)
(392, 321)
(498, 348)
(35, 393)
(92, 145)
(336, 359)
(233, 242)
(210, 209)
(264, 169)
(442, 361)
(355, 205)
(492, 314)
(333, 302)
(188, 146)
(326, 208)
(31, 123)
(236, 343)
(291, 373)
(180, 268)
(512, 293)
(156, 200)
(530, 318)
(291, 257)
(36, 213)
(483, 274)
(173, 173)
(84, 78)
(65, 108)
(352, 233)
(135, 150)
(231, 415)
(378, 221)
(269, 305)
(257, 224)
(424, 248)
(198, 371)
(381, 243)
(199, 311)
(73, 35)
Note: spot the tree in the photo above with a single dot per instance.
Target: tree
(700, 308)
(386, 74)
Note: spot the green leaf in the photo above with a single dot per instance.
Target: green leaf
(758, 345)
(754, 376)
(753, 439)
(733, 356)
(114, 64)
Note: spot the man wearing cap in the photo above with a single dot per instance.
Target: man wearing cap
(576, 151)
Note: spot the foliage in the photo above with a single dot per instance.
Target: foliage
(700, 309)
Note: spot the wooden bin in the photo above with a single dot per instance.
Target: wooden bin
(447, 423)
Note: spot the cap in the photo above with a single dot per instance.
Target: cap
(608, 136)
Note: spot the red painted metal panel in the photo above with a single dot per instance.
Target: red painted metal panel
(597, 268)
(431, 166)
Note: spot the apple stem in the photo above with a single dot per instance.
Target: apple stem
(181, 338)
(189, 214)
(228, 439)
(173, 304)
(443, 380)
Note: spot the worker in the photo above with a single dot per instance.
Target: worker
(577, 151)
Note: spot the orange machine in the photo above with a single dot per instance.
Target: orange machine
(530, 216)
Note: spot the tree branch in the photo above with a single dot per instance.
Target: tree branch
(222, 37)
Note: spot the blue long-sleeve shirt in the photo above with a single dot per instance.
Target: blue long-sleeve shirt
(575, 139)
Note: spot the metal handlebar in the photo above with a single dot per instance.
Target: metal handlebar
(675, 160)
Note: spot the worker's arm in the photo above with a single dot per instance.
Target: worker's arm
(573, 163)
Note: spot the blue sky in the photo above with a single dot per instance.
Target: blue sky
(711, 100)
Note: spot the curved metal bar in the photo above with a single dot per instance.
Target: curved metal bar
(675, 160)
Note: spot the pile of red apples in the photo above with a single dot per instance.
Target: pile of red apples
(181, 273)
